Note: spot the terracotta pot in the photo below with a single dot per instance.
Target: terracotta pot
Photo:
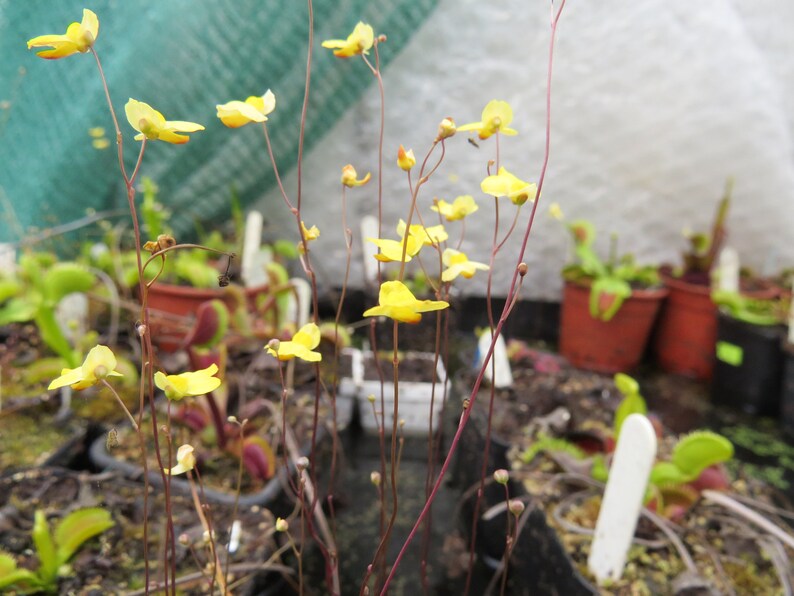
(687, 331)
(168, 302)
(612, 346)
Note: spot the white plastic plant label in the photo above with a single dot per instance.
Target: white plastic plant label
(300, 300)
(72, 315)
(8, 256)
(369, 229)
(623, 497)
(729, 270)
(253, 270)
(498, 370)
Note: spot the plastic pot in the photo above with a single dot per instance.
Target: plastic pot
(748, 366)
(607, 346)
(684, 340)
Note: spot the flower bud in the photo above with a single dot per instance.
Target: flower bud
(274, 344)
(184, 539)
(447, 128)
(516, 507)
(302, 463)
(522, 269)
(371, 398)
(405, 159)
(374, 478)
(501, 476)
(282, 525)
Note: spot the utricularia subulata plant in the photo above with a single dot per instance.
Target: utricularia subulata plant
(430, 235)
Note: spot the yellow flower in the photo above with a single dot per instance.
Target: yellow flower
(350, 177)
(392, 250)
(152, 125)
(99, 364)
(79, 38)
(185, 460)
(459, 264)
(505, 184)
(235, 114)
(300, 346)
(459, 208)
(446, 129)
(396, 301)
(405, 159)
(496, 117)
(556, 212)
(309, 234)
(358, 42)
(428, 236)
(189, 384)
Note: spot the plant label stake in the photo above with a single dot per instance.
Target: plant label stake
(8, 256)
(623, 496)
(72, 316)
(498, 370)
(300, 300)
(729, 270)
(253, 259)
(369, 229)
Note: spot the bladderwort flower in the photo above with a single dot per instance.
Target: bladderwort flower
(392, 250)
(185, 460)
(428, 236)
(300, 346)
(235, 114)
(456, 210)
(505, 184)
(496, 117)
(358, 42)
(350, 177)
(189, 384)
(309, 234)
(458, 263)
(152, 125)
(79, 37)
(99, 364)
(405, 159)
(397, 302)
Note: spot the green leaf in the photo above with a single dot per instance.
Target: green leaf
(632, 403)
(65, 278)
(699, 450)
(10, 574)
(665, 473)
(618, 289)
(77, 527)
(626, 385)
(45, 548)
(9, 288)
(52, 335)
(599, 471)
(18, 310)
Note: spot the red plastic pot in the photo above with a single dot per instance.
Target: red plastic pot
(607, 346)
(183, 301)
(687, 330)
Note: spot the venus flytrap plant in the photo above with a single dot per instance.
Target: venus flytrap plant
(54, 549)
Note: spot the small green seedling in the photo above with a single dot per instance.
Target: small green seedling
(53, 549)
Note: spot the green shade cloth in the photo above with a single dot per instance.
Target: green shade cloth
(182, 57)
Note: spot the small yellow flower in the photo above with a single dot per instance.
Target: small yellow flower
(189, 384)
(556, 212)
(79, 38)
(309, 234)
(505, 184)
(185, 460)
(392, 250)
(459, 208)
(282, 525)
(358, 42)
(100, 143)
(96, 132)
(100, 363)
(396, 301)
(447, 128)
(300, 346)
(458, 263)
(350, 177)
(428, 236)
(152, 125)
(405, 159)
(235, 114)
(496, 117)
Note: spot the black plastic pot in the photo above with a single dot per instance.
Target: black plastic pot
(748, 366)
(787, 390)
